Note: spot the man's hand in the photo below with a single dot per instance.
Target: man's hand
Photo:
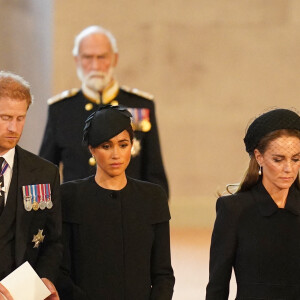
(5, 292)
(51, 288)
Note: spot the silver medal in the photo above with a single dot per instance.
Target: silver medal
(43, 204)
(49, 204)
(28, 205)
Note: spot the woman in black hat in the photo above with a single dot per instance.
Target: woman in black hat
(116, 229)
(257, 229)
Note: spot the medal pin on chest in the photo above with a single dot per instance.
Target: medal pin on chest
(38, 238)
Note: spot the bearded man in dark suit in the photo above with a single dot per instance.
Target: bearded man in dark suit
(30, 211)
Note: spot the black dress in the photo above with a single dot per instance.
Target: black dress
(261, 242)
(117, 243)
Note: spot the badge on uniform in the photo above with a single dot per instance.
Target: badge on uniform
(37, 196)
(38, 238)
(140, 119)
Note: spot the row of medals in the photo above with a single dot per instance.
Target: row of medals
(46, 202)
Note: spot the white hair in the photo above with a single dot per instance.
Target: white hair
(94, 30)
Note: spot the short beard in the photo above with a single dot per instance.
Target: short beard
(96, 80)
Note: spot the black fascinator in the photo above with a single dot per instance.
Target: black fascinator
(107, 122)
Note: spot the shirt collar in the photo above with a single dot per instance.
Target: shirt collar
(266, 204)
(108, 94)
(9, 157)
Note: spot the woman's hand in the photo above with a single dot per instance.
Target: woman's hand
(52, 289)
(4, 293)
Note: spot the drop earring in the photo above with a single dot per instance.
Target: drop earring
(259, 171)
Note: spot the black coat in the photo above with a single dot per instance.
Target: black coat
(117, 243)
(261, 242)
(46, 258)
(62, 140)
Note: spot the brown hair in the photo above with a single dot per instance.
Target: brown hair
(130, 132)
(14, 87)
(251, 177)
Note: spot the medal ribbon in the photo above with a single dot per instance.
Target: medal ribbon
(24, 191)
(135, 115)
(25, 194)
(140, 114)
(28, 193)
(39, 192)
(33, 189)
(48, 191)
(44, 192)
(146, 114)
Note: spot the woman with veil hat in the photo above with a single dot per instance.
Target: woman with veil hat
(257, 229)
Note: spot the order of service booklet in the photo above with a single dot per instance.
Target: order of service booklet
(24, 284)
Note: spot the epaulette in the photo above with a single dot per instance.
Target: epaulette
(137, 92)
(63, 95)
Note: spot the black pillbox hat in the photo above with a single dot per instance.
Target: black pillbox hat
(268, 122)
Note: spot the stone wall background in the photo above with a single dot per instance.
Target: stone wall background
(212, 66)
(26, 43)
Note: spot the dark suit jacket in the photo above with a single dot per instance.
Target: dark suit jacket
(261, 242)
(46, 258)
(62, 140)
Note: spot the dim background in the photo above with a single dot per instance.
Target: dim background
(212, 65)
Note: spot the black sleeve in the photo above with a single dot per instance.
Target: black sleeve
(161, 270)
(49, 148)
(162, 277)
(66, 287)
(154, 169)
(222, 252)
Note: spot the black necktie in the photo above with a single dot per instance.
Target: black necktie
(1, 186)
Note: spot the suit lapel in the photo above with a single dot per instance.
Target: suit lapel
(25, 176)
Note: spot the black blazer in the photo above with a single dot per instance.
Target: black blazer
(46, 258)
(261, 242)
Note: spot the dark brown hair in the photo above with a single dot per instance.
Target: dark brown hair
(251, 177)
(131, 133)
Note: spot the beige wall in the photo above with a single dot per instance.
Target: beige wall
(212, 66)
(26, 49)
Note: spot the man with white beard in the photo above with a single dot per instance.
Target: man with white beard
(96, 56)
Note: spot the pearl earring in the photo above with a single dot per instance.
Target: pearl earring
(259, 171)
